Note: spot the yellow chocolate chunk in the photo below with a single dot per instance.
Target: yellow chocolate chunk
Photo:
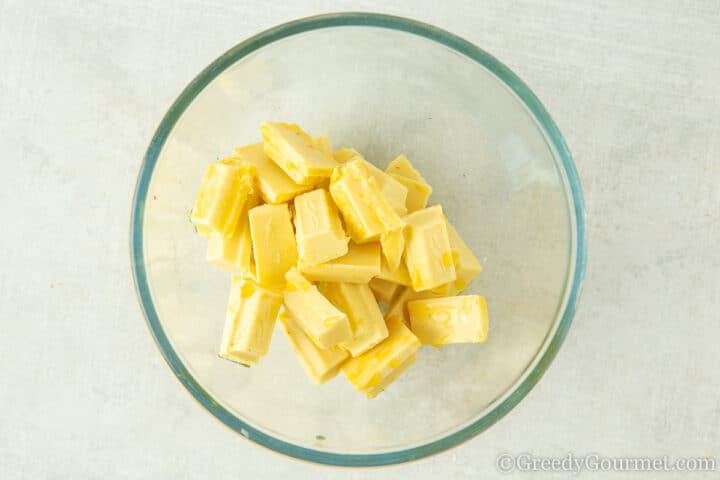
(440, 321)
(402, 166)
(319, 233)
(398, 305)
(359, 265)
(295, 281)
(393, 191)
(467, 266)
(322, 142)
(295, 152)
(393, 246)
(366, 211)
(319, 364)
(397, 370)
(274, 184)
(324, 324)
(222, 196)
(400, 275)
(384, 290)
(445, 290)
(345, 154)
(419, 190)
(366, 320)
(374, 370)
(250, 320)
(234, 253)
(273, 241)
(418, 194)
(427, 249)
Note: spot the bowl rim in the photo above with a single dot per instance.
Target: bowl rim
(467, 49)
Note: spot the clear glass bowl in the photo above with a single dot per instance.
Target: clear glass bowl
(499, 167)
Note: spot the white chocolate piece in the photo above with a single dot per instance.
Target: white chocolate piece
(366, 320)
(374, 370)
(319, 233)
(427, 249)
(324, 324)
(273, 240)
(441, 321)
(319, 364)
(294, 151)
(250, 320)
(359, 265)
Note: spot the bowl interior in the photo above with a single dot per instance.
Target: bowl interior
(384, 92)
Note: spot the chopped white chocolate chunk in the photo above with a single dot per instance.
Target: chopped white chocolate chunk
(250, 320)
(344, 155)
(444, 290)
(374, 370)
(294, 151)
(393, 246)
(398, 305)
(319, 233)
(402, 166)
(366, 211)
(366, 320)
(384, 290)
(322, 142)
(274, 184)
(324, 324)
(234, 253)
(393, 190)
(359, 265)
(419, 190)
(400, 276)
(440, 321)
(427, 249)
(467, 266)
(273, 240)
(319, 364)
(222, 197)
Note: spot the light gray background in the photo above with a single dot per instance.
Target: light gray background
(635, 88)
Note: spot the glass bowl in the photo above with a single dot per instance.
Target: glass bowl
(499, 167)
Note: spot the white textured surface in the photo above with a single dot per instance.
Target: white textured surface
(84, 392)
